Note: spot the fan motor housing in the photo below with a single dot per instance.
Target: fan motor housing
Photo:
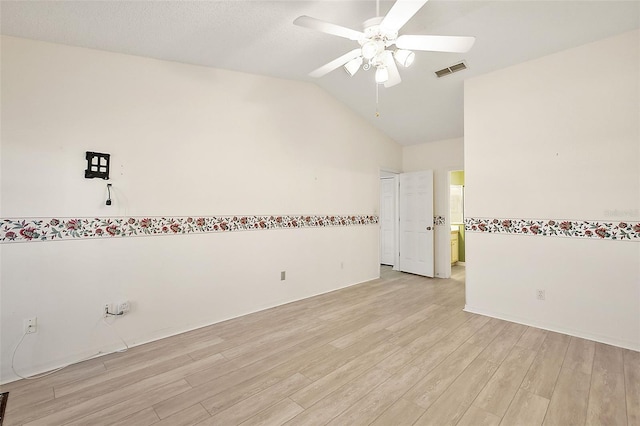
(373, 31)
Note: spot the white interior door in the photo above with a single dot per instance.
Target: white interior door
(416, 223)
(388, 221)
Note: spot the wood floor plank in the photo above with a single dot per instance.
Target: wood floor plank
(488, 332)
(251, 406)
(280, 346)
(342, 310)
(402, 412)
(209, 374)
(269, 340)
(59, 415)
(475, 416)
(26, 397)
(144, 417)
(499, 347)
(336, 402)
(408, 353)
(112, 391)
(430, 387)
(417, 317)
(448, 344)
(580, 355)
(632, 385)
(374, 403)
(241, 373)
(226, 397)
(118, 378)
(449, 408)
(187, 417)
(568, 405)
(240, 383)
(207, 351)
(607, 404)
(321, 366)
(543, 373)
(317, 390)
(154, 352)
(133, 411)
(275, 415)
(526, 409)
(98, 415)
(502, 387)
(447, 318)
(532, 338)
(373, 327)
(80, 371)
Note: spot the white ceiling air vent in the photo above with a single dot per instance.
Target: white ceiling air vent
(450, 70)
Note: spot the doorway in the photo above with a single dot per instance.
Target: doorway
(406, 222)
(456, 213)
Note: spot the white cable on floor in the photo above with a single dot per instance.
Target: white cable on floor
(39, 376)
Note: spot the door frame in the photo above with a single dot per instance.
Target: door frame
(440, 248)
(448, 217)
(394, 174)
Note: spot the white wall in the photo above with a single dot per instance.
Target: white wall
(441, 157)
(557, 138)
(184, 140)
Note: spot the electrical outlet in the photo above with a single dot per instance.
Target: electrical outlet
(116, 309)
(123, 307)
(540, 294)
(31, 325)
(283, 275)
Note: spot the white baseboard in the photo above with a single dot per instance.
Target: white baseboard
(634, 346)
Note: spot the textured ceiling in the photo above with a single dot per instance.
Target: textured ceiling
(259, 37)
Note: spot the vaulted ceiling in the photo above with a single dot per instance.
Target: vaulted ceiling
(259, 37)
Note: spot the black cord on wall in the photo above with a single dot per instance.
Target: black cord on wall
(109, 198)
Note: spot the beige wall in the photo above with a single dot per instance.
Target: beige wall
(184, 140)
(557, 138)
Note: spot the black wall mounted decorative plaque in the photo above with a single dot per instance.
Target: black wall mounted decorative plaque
(97, 165)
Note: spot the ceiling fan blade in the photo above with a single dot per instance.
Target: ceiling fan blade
(336, 63)
(392, 68)
(327, 27)
(433, 43)
(400, 13)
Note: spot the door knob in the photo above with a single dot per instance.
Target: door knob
(428, 228)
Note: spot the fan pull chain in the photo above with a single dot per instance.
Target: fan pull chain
(377, 111)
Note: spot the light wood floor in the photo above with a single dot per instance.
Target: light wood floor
(394, 351)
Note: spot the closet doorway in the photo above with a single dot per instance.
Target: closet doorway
(388, 218)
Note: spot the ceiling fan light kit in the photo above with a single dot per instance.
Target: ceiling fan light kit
(404, 57)
(353, 66)
(382, 75)
(377, 40)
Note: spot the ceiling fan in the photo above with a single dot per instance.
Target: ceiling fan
(377, 40)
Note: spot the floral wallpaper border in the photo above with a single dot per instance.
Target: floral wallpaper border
(559, 228)
(439, 220)
(49, 229)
